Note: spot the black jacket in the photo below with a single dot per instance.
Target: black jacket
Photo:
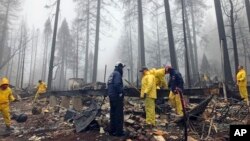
(115, 85)
(175, 80)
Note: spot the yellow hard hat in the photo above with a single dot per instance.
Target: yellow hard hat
(4, 81)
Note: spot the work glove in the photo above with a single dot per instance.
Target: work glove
(177, 90)
(121, 94)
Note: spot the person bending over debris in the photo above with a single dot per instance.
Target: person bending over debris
(148, 92)
(159, 77)
(116, 97)
(242, 83)
(5, 98)
(175, 85)
(41, 89)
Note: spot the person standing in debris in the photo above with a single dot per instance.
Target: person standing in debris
(175, 85)
(242, 83)
(116, 97)
(41, 89)
(148, 92)
(5, 98)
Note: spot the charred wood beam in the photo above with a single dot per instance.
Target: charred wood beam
(129, 92)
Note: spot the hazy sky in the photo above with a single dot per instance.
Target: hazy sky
(36, 14)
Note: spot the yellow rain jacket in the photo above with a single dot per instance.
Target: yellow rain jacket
(149, 88)
(159, 77)
(242, 83)
(42, 87)
(241, 78)
(5, 98)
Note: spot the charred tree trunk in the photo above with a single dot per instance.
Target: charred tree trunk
(131, 54)
(45, 56)
(31, 59)
(131, 63)
(4, 32)
(244, 46)
(248, 12)
(142, 61)
(11, 68)
(53, 48)
(65, 72)
(236, 58)
(23, 54)
(19, 59)
(194, 38)
(96, 41)
(12, 44)
(34, 67)
(91, 58)
(174, 61)
(193, 71)
(158, 42)
(77, 50)
(87, 47)
(188, 82)
(23, 60)
(46, 60)
(61, 75)
(222, 36)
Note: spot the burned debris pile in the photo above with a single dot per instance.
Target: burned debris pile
(208, 119)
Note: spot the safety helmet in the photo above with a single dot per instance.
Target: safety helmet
(118, 64)
(4, 81)
(167, 67)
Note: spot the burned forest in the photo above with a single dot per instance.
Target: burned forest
(124, 70)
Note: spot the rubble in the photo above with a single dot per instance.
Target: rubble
(159, 133)
(92, 122)
(191, 139)
(159, 138)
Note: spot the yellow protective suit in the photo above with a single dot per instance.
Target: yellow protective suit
(149, 88)
(242, 83)
(159, 77)
(175, 102)
(5, 98)
(41, 88)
